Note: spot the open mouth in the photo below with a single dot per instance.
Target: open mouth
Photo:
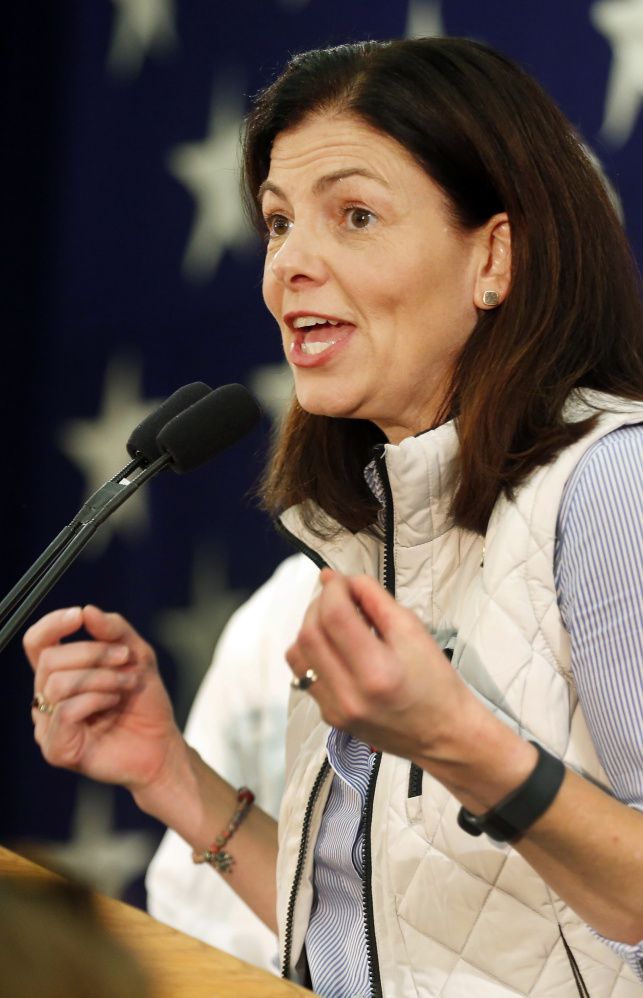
(314, 334)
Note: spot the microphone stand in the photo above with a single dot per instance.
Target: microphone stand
(65, 548)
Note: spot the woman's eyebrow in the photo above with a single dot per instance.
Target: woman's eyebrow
(331, 178)
(273, 188)
(322, 183)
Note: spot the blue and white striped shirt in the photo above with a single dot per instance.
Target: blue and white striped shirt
(336, 938)
(599, 583)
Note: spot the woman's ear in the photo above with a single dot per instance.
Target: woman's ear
(494, 274)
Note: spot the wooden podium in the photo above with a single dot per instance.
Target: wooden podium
(177, 965)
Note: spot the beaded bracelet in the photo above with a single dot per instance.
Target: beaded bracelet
(216, 856)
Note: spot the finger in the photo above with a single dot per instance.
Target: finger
(62, 686)
(113, 628)
(313, 647)
(311, 615)
(322, 645)
(378, 668)
(344, 626)
(82, 654)
(76, 711)
(77, 655)
(402, 634)
(61, 735)
(378, 605)
(311, 650)
(334, 691)
(49, 630)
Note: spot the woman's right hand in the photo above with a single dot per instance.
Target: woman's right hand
(112, 719)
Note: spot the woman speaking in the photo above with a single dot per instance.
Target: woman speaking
(463, 460)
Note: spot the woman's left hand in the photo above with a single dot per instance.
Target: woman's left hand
(384, 679)
(382, 676)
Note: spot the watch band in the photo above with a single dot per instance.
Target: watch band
(519, 809)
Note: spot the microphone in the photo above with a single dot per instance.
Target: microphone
(198, 433)
(189, 440)
(143, 448)
(142, 445)
(208, 427)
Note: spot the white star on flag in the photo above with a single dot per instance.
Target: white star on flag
(210, 172)
(621, 22)
(97, 446)
(190, 634)
(273, 385)
(424, 19)
(96, 853)
(141, 28)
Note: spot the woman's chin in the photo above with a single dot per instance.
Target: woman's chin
(318, 406)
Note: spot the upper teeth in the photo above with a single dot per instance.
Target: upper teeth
(313, 320)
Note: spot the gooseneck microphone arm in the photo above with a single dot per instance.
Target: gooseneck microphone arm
(60, 542)
(143, 449)
(102, 504)
(187, 430)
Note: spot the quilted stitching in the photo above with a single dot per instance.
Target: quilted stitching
(511, 647)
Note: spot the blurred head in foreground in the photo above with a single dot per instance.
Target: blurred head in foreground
(52, 944)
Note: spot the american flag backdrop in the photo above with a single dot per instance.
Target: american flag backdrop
(128, 270)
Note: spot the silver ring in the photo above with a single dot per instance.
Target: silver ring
(39, 703)
(304, 682)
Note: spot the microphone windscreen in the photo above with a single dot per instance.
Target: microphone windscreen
(209, 426)
(142, 442)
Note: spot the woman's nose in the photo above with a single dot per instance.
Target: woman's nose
(298, 261)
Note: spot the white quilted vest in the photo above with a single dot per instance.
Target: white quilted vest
(457, 916)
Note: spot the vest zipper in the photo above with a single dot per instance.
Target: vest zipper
(388, 580)
(367, 891)
(416, 775)
(303, 847)
(388, 560)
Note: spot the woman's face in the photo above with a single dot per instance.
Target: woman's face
(374, 287)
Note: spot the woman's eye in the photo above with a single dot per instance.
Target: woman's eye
(359, 218)
(278, 225)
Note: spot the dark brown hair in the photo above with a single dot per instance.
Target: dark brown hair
(491, 138)
(53, 943)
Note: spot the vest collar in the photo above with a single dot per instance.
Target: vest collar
(420, 472)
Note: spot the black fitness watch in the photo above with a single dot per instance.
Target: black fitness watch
(519, 809)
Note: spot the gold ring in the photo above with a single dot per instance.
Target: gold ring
(304, 682)
(39, 703)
